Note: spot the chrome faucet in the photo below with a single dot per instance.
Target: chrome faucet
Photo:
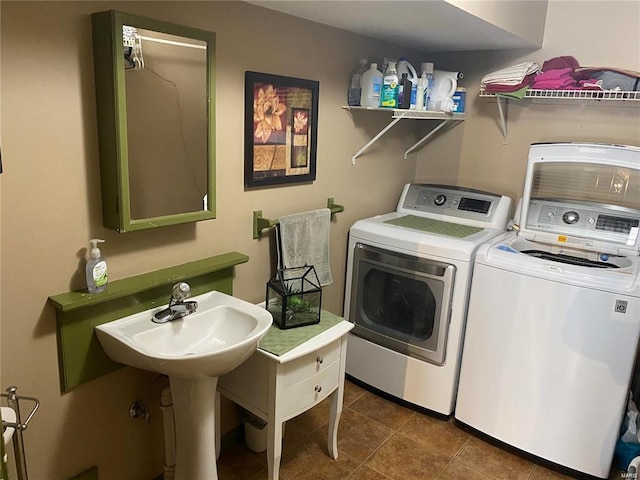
(178, 307)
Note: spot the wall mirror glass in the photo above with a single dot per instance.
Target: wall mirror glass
(156, 124)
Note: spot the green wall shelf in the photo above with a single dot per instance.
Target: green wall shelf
(78, 312)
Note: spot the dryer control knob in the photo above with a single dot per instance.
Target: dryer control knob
(570, 217)
(440, 200)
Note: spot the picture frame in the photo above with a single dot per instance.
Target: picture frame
(281, 129)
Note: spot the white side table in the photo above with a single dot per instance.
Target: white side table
(278, 388)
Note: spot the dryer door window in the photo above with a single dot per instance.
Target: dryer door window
(405, 305)
(402, 302)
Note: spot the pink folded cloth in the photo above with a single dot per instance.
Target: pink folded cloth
(557, 63)
(566, 85)
(502, 88)
(553, 74)
(557, 79)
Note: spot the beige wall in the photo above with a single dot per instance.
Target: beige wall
(524, 18)
(50, 189)
(475, 153)
(51, 202)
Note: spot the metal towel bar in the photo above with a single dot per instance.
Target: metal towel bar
(260, 223)
(13, 401)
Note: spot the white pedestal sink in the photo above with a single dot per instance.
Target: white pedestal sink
(193, 351)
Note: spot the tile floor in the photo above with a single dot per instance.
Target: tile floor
(381, 440)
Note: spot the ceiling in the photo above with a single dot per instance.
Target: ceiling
(431, 25)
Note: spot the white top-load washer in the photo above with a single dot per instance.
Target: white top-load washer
(554, 310)
(408, 278)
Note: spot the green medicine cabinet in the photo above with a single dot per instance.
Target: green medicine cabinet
(155, 92)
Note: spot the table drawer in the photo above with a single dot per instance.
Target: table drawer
(308, 365)
(303, 395)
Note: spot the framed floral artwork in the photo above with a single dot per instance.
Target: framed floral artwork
(281, 129)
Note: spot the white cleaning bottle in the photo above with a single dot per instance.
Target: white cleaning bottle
(355, 87)
(418, 99)
(96, 269)
(371, 87)
(429, 86)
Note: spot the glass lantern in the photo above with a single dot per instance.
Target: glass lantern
(294, 297)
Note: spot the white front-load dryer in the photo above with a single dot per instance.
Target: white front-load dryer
(408, 278)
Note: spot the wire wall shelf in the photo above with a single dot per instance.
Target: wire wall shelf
(575, 95)
(569, 95)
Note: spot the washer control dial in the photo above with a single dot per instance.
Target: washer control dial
(440, 199)
(570, 217)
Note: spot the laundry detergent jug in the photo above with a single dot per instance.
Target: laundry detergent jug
(403, 66)
(445, 84)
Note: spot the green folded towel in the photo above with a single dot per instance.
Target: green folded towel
(518, 94)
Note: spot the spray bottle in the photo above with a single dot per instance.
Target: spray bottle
(96, 269)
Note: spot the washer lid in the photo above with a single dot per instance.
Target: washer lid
(511, 252)
(583, 195)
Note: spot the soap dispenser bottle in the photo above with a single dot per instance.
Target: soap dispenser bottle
(96, 269)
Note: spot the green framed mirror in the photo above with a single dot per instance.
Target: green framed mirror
(155, 98)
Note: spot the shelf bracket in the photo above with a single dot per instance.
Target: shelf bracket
(502, 110)
(419, 143)
(375, 139)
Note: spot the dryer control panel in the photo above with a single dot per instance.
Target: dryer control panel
(588, 221)
(450, 201)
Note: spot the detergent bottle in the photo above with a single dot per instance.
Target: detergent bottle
(403, 66)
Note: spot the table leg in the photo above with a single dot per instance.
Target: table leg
(274, 448)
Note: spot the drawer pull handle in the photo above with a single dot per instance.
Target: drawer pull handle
(318, 389)
(320, 360)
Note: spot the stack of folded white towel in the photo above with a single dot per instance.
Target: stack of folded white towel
(513, 75)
